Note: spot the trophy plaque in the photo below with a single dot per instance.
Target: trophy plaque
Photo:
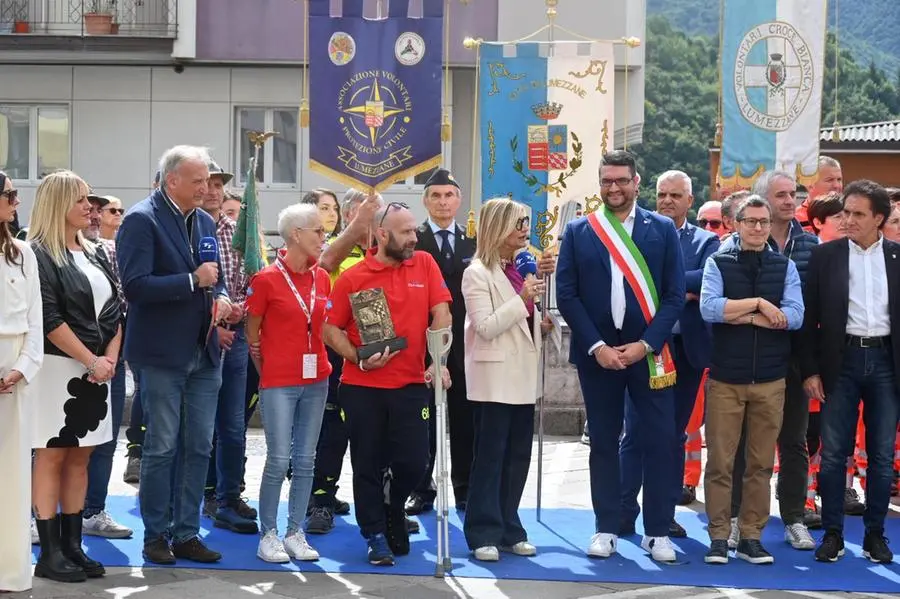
(373, 320)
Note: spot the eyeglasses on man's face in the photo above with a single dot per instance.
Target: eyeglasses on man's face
(753, 223)
(389, 207)
(620, 182)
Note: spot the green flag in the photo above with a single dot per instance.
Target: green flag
(246, 238)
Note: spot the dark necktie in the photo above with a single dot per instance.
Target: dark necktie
(445, 247)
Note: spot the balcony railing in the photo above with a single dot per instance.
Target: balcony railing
(126, 18)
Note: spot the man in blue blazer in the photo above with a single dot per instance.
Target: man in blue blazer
(691, 345)
(620, 288)
(172, 295)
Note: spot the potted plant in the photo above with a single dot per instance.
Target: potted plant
(99, 18)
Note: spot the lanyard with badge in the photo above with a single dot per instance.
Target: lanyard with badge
(310, 362)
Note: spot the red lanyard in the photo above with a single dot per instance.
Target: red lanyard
(312, 299)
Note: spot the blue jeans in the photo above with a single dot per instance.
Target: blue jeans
(292, 419)
(100, 466)
(226, 464)
(179, 412)
(867, 373)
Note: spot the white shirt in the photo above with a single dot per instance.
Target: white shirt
(21, 310)
(868, 314)
(101, 288)
(617, 284)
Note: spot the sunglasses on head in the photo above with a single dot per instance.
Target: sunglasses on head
(12, 195)
(703, 223)
(389, 207)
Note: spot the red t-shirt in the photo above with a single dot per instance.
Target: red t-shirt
(283, 332)
(411, 290)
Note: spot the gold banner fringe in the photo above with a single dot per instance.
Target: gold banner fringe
(421, 167)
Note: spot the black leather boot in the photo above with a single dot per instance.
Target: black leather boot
(52, 563)
(71, 545)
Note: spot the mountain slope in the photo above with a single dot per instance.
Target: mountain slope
(868, 28)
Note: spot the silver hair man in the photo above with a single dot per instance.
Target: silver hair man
(173, 157)
(676, 175)
(763, 184)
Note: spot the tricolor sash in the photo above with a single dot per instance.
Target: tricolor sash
(631, 262)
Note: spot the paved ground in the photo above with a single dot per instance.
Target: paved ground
(565, 484)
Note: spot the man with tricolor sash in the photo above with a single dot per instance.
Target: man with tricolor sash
(620, 287)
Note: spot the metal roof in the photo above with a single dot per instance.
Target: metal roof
(869, 132)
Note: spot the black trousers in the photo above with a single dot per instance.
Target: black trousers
(461, 423)
(333, 440)
(504, 435)
(388, 433)
(793, 458)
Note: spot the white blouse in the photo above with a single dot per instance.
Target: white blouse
(101, 288)
(21, 309)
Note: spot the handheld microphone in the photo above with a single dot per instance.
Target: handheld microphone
(526, 264)
(208, 250)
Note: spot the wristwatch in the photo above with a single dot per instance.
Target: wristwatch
(195, 279)
(647, 346)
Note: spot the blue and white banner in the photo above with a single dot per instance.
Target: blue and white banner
(546, 120)
(773, 63)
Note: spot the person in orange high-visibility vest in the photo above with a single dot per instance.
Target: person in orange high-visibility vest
(693, 447)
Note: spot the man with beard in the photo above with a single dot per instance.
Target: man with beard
(690, 349)
(620, 287)
(385, 396)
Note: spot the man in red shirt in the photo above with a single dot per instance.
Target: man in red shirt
(385, 396)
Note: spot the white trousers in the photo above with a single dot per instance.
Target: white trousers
(15, 466)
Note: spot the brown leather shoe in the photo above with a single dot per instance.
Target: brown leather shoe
(159, 552)
(195, 551)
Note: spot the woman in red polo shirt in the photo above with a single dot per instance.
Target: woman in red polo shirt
(286, 309)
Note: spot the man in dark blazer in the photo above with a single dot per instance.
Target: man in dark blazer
(621, 329)
(442, 237)
(691, 348)
(852, 298)
(170, 341)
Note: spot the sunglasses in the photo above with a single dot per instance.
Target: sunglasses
(704, 223)
(523, 224)
(11, 195)
(115, 211)
(389, 207)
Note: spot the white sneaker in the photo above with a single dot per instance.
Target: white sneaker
(271, 549)
(35, 538)
(487, 554)
(298, 548)
(102, 524)
(603, 544)
(798, 536)
(523, 548)
(659, 548)
(735, 535)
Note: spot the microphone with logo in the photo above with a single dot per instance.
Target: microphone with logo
(526, 264)
(208, 251)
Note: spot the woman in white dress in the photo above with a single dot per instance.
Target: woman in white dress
(21, 354)
(71, 397)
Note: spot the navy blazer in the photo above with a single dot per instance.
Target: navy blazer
(166, 320)
(583, 285)
(696, 246)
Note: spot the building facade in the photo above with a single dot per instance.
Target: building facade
(105, 86)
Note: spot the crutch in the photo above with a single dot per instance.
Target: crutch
(540, 400)
(439, 346)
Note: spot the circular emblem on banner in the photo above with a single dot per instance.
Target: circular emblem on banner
(341, 48)
(409, 49)
(774, 76)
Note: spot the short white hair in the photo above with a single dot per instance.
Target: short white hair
(296, 216)
(764, 182)
(829, 162)
(173, 157)
(676, 175)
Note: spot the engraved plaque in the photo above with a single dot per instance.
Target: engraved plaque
(374, 322)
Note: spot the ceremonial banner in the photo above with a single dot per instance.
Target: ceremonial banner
(546, 120)
(773, 62)
(247, 239)
(375, 93)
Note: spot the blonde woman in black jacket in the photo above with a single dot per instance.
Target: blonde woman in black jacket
(81, 348)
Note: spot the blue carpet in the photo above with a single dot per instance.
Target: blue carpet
(560, 541)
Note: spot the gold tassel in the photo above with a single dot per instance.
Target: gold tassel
(445, 130)
(663, 381)
(470, 225)
(304, 113)
(718, 139)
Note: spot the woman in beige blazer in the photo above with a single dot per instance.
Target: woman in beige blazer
(502, 343)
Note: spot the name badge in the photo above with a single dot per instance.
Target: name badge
(310, 366)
